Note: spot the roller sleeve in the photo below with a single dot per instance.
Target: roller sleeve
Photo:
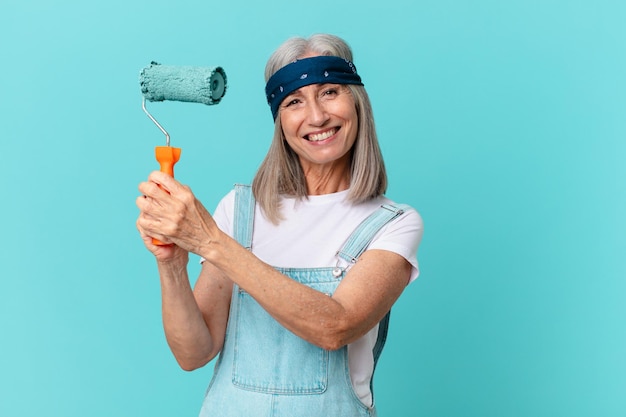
(191, 84)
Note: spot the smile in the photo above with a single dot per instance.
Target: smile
(317, 137)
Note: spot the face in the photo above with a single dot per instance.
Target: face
(320, 124)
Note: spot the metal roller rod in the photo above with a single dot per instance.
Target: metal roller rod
(167, 135)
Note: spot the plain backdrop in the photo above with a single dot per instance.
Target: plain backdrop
(502, 122)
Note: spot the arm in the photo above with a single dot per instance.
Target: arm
(365, 295)
(194, 321)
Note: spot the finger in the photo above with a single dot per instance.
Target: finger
(142, 232)
(149, 207)
(151, 228)
(142, 202)
(149, 240)
(167, 182)
(152, 189)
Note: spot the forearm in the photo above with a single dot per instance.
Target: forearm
(185, 328)
(308, 313)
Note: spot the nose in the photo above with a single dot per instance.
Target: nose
(317, 113)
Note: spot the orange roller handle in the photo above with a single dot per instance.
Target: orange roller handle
(167, 157)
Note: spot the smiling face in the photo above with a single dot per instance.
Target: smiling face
(320, 124)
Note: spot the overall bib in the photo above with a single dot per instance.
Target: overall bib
(264, 370)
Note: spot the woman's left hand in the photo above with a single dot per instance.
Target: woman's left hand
(170, 212)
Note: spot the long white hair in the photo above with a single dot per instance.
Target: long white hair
(280, 172)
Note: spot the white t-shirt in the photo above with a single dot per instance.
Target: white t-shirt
(310, 236)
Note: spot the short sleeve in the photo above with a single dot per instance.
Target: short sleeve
(402, 236)
(223, 214)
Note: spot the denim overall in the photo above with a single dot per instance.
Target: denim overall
(264, 370)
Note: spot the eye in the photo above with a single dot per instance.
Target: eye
(331, 91)
(291, 102)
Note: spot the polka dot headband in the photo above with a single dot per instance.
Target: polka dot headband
(307, 71)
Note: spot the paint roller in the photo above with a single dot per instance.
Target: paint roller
(178, 83)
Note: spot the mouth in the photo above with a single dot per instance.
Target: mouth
(318, 137)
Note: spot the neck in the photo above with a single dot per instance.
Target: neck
(327, 179)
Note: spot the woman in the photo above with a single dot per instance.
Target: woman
(300, 271)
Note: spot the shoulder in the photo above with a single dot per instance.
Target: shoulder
(409, 217)
(402, 235)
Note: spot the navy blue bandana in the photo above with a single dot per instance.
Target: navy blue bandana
(307, 71)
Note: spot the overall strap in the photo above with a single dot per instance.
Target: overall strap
(365, 232)
(244, 215)
(356, 244)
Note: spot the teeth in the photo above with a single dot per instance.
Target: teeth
(322, 136)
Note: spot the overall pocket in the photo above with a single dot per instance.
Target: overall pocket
(269, 358)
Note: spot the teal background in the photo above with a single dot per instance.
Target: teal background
(503, 123)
